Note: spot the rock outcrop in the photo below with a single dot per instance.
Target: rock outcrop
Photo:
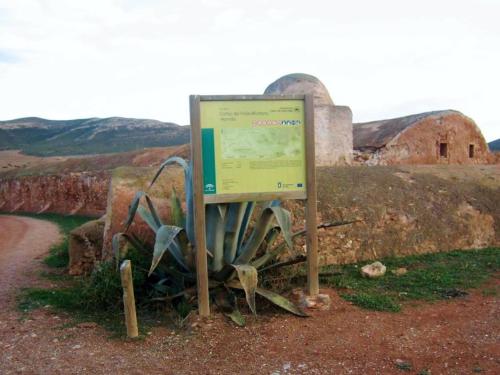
(332, 124)
(85, 247)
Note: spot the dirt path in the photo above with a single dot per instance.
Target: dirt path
(460, 336)
(23, 242)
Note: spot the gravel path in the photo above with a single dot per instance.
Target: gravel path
(23, 242)
(460, 336)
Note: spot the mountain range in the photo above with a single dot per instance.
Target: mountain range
(42, 137)
(494, 145)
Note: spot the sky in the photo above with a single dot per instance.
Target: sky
(63, 59)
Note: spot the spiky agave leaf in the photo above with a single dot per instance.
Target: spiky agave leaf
(236, 317)
(273, 297)
(164, 239)
(188, 189)
(244, 224)
(134, 205)
(280, 301)
(171, 160)
(226, 301)
(215, 223)
(261, 230)
(178, 218)
(236, 214)
(248, 280)
(148, 218)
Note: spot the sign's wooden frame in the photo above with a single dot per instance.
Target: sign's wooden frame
(200, 199)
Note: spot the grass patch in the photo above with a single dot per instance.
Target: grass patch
(430, 277)
(69, 300)
(373, 301)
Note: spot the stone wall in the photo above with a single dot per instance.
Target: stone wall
(82, 193)
(399, 210)
(333, 127)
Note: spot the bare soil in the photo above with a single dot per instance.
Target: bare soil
(459, 336)
(14, 159)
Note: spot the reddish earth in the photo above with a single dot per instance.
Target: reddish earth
(459, 336)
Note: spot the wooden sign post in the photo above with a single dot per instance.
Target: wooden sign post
(252, 148)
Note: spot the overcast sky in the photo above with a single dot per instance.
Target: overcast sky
(386, 58)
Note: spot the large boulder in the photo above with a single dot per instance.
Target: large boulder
(85, 246)
(125, 183)
(332, 124)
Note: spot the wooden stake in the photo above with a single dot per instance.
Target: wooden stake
(129, 299)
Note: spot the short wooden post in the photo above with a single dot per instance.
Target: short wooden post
(129, 299)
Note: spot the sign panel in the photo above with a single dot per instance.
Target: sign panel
(253, 147)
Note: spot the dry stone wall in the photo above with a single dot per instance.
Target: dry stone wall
(399, 210)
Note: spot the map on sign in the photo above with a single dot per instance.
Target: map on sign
(270, 143)
(253, 146)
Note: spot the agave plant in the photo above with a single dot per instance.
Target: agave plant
(235, 251)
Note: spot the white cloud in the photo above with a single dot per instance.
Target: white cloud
(143, 58)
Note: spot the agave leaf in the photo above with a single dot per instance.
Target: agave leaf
(269, 256)
(248, 279)
(281, 301)
(133, 208)
(244, 225)
(148, 218)
(284, 220)
(236, 317)
(164, 239)
(226, 301)
(178, 218)
(215, 223)
(261, 230)
(270, 253)
(275, 298)
(177, 252)
(152, 209)
(233, 227)
(188, 188)
(172, 160)
(136, 242)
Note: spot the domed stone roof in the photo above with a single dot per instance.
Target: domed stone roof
(299, 83)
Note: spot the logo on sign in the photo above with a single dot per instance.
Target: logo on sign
(209, 187)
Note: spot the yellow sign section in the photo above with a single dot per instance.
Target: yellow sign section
(253, 146)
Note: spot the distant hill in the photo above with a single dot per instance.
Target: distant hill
(38, 136)
(494, 145)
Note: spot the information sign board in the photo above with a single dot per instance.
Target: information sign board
(252, 147)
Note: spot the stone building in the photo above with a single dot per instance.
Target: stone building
(440, 137)
(333, 124)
